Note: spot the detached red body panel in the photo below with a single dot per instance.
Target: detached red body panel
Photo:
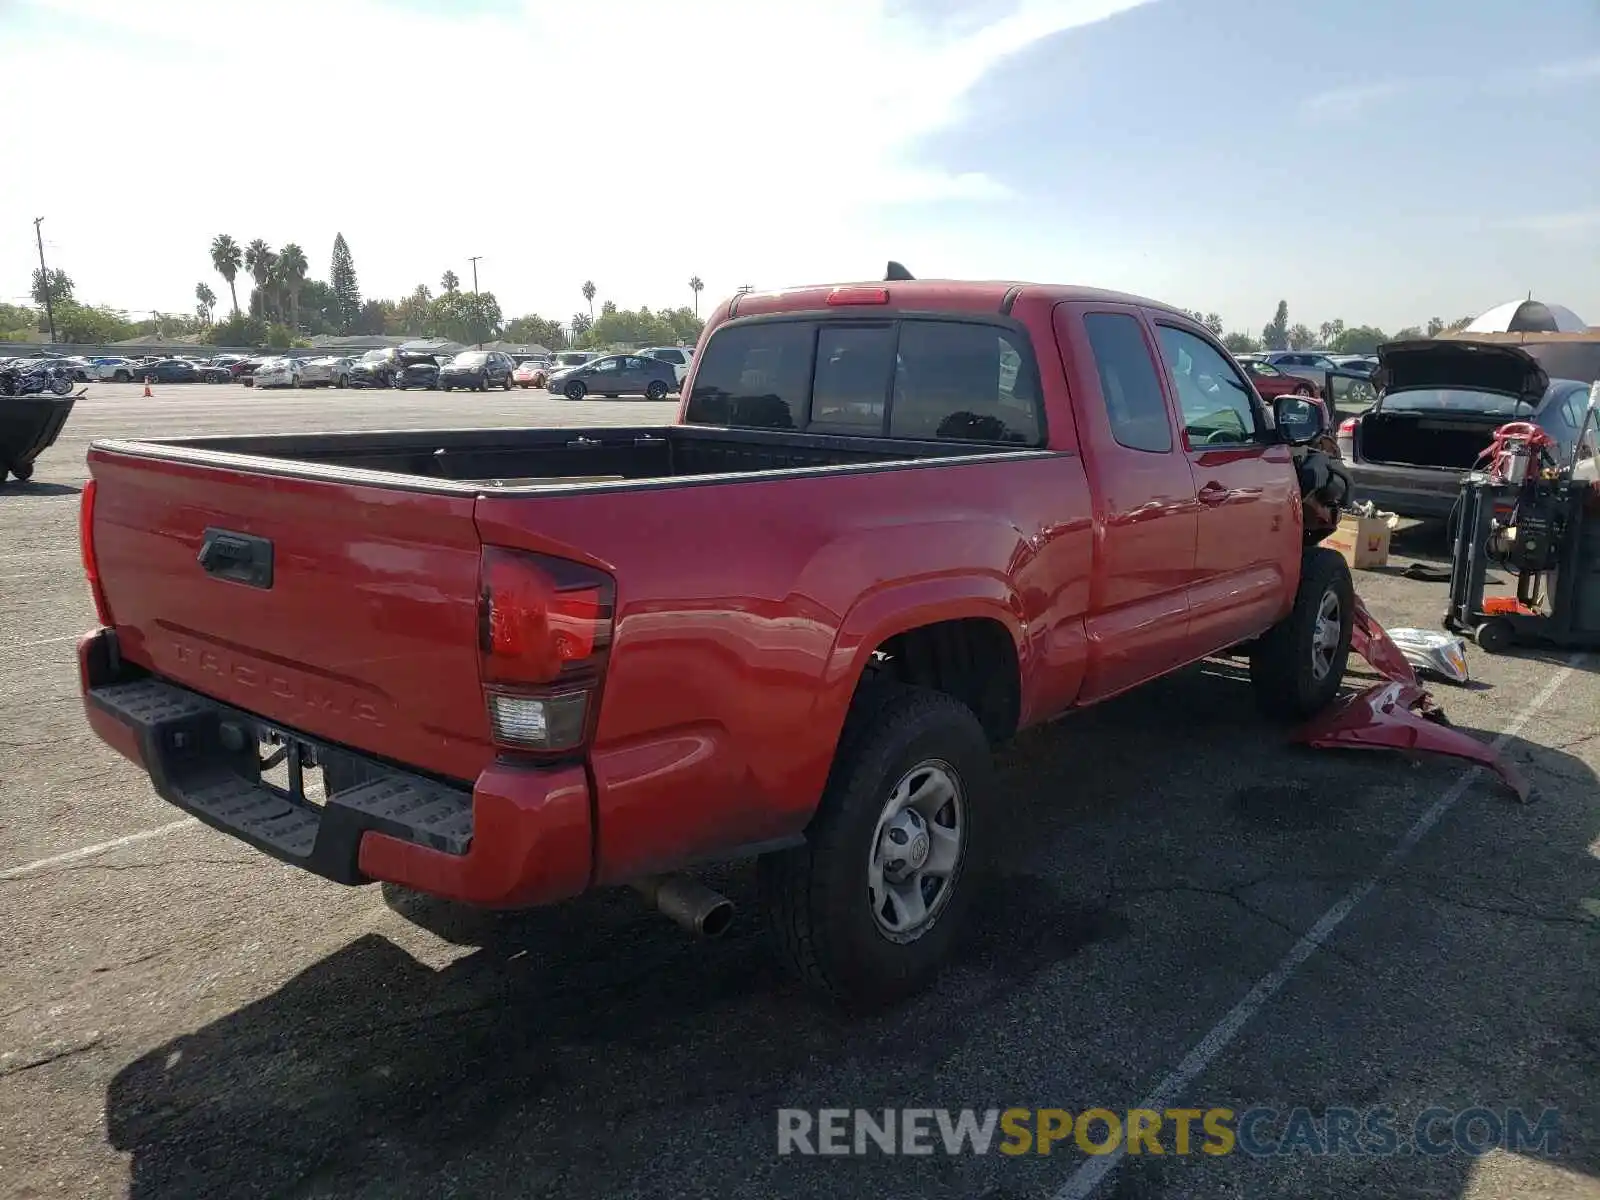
(1399, 714)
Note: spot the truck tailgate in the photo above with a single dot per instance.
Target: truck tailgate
(364, 633)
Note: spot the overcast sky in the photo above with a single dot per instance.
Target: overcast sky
(1380, 163)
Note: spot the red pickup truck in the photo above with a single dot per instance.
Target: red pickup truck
(894, 523)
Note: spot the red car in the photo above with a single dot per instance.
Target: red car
(944, 512)
(1272, 383)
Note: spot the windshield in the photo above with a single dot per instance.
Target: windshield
(472, 358)
(571, 360)
(1462, 400)
(376, 355)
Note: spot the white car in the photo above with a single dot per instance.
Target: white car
(325, 372)
(116, 370)
(278, 372)
(678, 356)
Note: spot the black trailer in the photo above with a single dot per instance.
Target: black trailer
(29, 425)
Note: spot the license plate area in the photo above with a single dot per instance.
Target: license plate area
(290, 766)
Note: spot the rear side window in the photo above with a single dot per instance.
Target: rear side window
(852, 381)
(966, 381)
(1129, 383)
(755, 376)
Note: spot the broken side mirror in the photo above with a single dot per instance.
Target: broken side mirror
(1300, 420)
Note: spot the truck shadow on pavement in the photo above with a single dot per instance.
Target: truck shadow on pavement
(589, 1049)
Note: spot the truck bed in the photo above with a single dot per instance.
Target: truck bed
(547, 459)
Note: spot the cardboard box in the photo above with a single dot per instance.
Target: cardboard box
(1364, 542)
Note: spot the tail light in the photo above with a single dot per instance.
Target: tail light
(91, 565)
(858, 295)
(544, 631)
(1347, 427)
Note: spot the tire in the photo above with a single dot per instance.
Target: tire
(1298, 664)
(23, 473)
(656, 390)
(575, 390)
(510, 382)
(445, 387)
(1494, 636)
(121, 377)
(60, 386)
(818, 898)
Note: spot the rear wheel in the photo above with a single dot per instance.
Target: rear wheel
(122, 377)
(23, 472)
(656, 391)
(1494, 636)
(1298, 664)
(867, 911)
(510, 382)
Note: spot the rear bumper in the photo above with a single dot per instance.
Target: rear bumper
(521, 837)
(1409, 491)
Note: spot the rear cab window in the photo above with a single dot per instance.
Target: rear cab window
(915, 378)
(1129, 384)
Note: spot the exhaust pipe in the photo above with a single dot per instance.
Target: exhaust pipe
(695, 907)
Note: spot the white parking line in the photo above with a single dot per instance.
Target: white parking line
(56, 860)
(1092, 1172)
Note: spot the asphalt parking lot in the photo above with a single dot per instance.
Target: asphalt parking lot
(1190, 912)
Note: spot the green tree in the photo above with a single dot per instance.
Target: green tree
(1458, 324)
(1275, 334)
(449, 282)
(319, 309)
(17, 322)
(1330, 331)
(1409, 334)
(466, 316)
(589, 294)
(696, 285)
(226, 258)
(581, 323)
(1435, 326)
(58, 289)
(90, 326)
(238, 330)
(533, 330)
(342, 278)
(1241, 343)
(1362, 339)
(1211, 321)
(374, 317)
(292, 266)
(1301, 338)
(413, 316)
(259, 261)
(205, 301)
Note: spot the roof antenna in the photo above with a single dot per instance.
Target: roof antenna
(896, 272)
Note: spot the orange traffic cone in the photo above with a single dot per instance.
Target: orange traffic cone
(148, 395)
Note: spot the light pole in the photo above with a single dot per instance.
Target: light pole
(44, 279)
(474, 261)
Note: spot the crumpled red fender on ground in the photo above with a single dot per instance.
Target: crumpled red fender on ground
(1399, 714)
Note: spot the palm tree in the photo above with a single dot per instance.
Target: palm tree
(696, 285)
(292, 268)
(588, 294)
(259, 260)
(449, 282)
(207, 300)
(225, 258)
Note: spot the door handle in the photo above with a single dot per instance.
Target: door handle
(1213, 493)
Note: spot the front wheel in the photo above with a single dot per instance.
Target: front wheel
(23, 471)
(868, 910)
(656, 391)
(122, 377)
(575, 390)
(1297, 665)
(509, 383)
(59, 386)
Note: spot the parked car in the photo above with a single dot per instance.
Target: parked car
(531, 374)
(478, 370)
(678, 356)
(223, 368)
(328, 371)
(572, 358)
(617, 375)
(1271, 382)
(418, 371)
(278, 372)
(114, 370)
(1438, 406)
(169, 370)
(535, 691)
(375, 368)
(245, 372)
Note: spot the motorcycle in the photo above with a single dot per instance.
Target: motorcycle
(32, 377)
